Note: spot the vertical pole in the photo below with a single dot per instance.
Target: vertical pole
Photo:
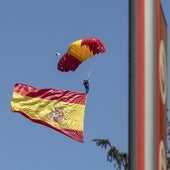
(132, 85)
(136, 44)
(150, 85)
(142, 73)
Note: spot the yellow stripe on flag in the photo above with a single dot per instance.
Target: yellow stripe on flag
(37, 108)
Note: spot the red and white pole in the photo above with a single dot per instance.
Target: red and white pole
(146, 71)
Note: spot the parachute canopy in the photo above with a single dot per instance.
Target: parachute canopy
(78, 52)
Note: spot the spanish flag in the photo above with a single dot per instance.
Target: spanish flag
(61, 110)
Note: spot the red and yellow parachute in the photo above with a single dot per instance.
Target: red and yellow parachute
(78, 52)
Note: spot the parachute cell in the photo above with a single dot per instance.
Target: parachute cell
(78, 52)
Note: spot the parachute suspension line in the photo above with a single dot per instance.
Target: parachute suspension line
(93, 66)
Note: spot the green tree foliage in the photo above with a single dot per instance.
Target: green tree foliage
(120, 159)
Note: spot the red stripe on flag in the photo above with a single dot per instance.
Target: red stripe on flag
(51, 94)
(74, 134)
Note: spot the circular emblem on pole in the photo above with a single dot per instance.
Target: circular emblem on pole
(163, 72)
(162, 156)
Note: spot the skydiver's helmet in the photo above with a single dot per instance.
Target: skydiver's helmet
(86, 82)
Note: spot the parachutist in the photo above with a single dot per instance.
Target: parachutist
(86, 85)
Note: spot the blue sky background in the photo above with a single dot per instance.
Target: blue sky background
(31, 32)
